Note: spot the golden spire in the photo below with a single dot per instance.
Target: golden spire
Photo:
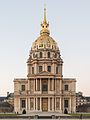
(44, 15)
(44, 25)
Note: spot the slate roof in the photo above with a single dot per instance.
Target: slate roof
(2, 98)
(10, 95)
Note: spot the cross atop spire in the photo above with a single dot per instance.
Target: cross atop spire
(44, 25)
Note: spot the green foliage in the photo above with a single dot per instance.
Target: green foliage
(79, 114)
(9, 114)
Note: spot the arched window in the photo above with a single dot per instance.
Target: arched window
(40, 54)
(48, 54)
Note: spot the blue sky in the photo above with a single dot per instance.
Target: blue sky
(20, 26)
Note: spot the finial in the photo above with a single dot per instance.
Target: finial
(44, 25)
(45, 15)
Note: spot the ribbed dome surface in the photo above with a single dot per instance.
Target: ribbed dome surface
(45, 42)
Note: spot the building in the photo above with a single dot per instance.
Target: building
(80, 99)
(45, 89)
(10, 98)
(82, 103)
(2, 99)
(7, 103)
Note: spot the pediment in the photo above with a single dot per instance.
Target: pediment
(44, 73)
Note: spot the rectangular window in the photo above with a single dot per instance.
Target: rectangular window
(66, 103)
(40, 54)
(23, 87)
(44, 88)
(48, 54)
(23, 103)
(49, 68)
(66, 87)
(55, 55)
(40, 68)
(56, 70)
(32, 70)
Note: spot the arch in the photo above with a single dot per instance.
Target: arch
(24, 111)
(65, 111)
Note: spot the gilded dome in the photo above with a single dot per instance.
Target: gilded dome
(44, 41)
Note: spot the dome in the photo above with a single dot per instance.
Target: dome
(44, 41)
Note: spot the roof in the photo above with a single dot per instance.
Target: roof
(2, 98)
(5, 104)
(87, 98)
(11, 95)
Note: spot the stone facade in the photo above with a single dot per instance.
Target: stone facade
(44, 89)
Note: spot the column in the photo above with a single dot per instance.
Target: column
(63, 104)
(34, 104)
(26, 104)
(53, 68)
(28, 86)
(48, 104)
(60, 86)
(29, 104)
(40, 85)
(48, 84)
(35, 66)
(19, 104)
(53, 104)
(53, 84)
(40, 104)
(36, 85)
(70, 104)
(60, 104)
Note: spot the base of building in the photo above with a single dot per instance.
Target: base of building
(45, 114)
